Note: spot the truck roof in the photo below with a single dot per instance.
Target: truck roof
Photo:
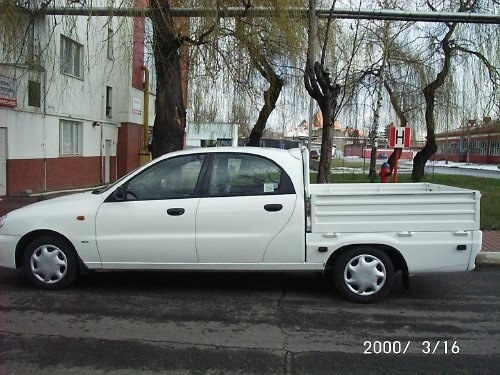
(263, 151)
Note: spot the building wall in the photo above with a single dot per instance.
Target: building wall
(199, 133)
(34, 164)
(54, 174)
(34, 161)
(130, 139)
(476, 144)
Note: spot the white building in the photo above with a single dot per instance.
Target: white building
(71, 100)
(211, 134)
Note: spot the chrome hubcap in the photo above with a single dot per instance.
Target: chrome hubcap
(48, 264)
(365, 275)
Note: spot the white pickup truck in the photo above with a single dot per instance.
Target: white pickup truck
(246, 209)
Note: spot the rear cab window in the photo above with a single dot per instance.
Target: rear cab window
(246, 174)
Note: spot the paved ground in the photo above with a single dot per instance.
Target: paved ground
(248, 323)
(212, 323)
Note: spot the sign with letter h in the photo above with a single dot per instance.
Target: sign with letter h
(400, 137)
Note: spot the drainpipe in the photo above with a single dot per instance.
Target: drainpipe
(44, 189)
(145, 155)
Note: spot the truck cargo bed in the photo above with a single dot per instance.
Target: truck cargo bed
(400, 207)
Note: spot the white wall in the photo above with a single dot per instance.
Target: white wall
(196, 132)
(34, 132)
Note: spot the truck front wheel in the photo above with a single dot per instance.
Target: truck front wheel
(50, 262)
(363, 274)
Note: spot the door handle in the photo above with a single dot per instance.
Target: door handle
(273, 207)
(406, 234)
(175, 211)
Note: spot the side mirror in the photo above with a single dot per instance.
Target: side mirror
(120, 193)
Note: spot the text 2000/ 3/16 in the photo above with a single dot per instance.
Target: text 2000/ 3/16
(402, 347)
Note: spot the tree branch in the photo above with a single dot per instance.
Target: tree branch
(493, 72)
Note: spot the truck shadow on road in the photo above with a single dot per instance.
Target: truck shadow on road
(156, 282)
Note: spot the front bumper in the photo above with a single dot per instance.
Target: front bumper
(8, 250)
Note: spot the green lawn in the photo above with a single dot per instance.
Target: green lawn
(489, 188)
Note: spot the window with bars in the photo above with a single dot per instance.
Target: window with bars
(495, 147)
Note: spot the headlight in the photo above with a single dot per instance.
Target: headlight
(2, 220)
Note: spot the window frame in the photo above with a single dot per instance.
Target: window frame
(34, 93)
(285, 185)
(196, 191)
(109, 47)
(109, 102)
(76, 138)
(71, 57)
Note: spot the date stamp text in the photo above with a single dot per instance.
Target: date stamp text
(403, 347)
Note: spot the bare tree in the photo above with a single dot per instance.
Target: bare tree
(449, 47)
(378, 104)
(319, 85)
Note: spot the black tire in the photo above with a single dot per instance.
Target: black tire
(50, 262)
(363, 274)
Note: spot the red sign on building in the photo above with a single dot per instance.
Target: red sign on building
(400, 137)
(11, 103)
(7, 92)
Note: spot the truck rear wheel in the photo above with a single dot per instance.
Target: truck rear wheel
(363, 274)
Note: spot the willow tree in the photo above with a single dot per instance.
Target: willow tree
(170, 120)
(425, 82)
(251, 52)
(262, 63)
(448, 47)
(378, 104)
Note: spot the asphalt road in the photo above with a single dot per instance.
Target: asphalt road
(215, 323)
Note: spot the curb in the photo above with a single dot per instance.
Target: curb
(489, 257)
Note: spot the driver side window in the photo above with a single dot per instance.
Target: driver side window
(169, 179)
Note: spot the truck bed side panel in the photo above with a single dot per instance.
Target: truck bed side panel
(365, 208)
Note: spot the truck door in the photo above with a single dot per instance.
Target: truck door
(155, 223)
(247, 201)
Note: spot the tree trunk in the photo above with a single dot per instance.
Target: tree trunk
(325, 158)
(319, 85)
(429, 91)
(170, 120)
(271, 96)
(376, 114)
(376, 121)
(420, 160)
(372, 174)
